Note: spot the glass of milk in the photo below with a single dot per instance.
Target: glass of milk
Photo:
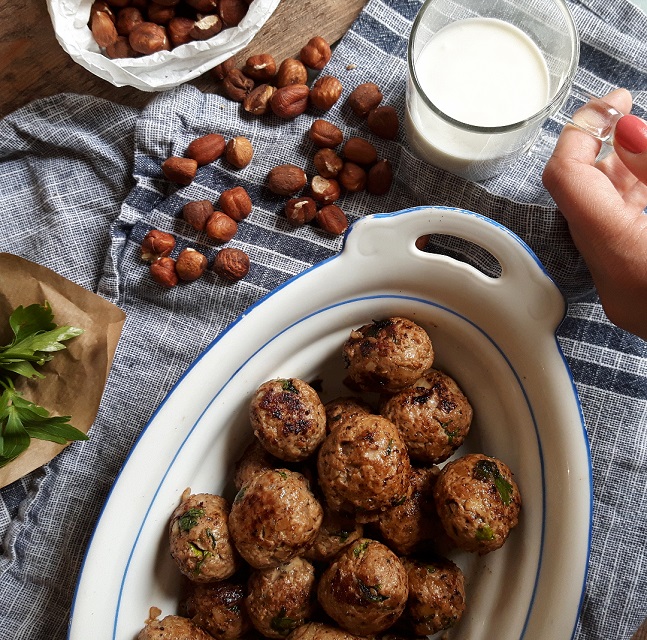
(484, 75)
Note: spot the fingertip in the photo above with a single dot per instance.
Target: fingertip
(631, 134)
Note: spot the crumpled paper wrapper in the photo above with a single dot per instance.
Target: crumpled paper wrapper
(159, 71)
(75, 378)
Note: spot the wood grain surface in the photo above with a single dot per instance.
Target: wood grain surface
(33, 64)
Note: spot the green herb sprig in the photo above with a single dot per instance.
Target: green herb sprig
(36, 339)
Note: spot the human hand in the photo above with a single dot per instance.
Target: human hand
(604, 206)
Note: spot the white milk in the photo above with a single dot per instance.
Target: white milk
(482, 72)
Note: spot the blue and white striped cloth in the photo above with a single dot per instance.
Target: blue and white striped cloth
(82, 185)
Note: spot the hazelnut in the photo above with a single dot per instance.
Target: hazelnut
(220, 71)
(221, 227)
(286, 179)
(207, 27)
(383, 122)
(103, 29)
(232, 11)
(290, 101)
(237, 85)
(236, 203)
(203, 6)
(327, 163)
(127, 18)
(364, 98)
(359, 151)
(179, 30)
(300, 211)
(148, 38)
(180, 170)
(160, 14)
(231, 264)
(257, 101)
(325, 134)
(206, 149)
(380, 178)
(163, 272)
(190, 264)
(291, 71)
(422, 241)
(239, 152)
(332, 219)
(352, 177)
(121, 49)
(157, 244)
(197, 213)
(260, 68)
(103, 7)
(325, 92)
(316, 53)
(324, 190)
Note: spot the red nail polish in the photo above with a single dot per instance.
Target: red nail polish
(631, 134)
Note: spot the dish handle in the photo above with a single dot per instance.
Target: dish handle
(523, 288)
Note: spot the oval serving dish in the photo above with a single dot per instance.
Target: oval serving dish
(494, 335)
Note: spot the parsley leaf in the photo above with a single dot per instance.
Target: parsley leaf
(35, 339)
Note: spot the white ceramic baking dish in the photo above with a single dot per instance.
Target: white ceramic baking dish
(494, 335)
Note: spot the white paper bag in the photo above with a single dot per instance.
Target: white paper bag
(158, 71)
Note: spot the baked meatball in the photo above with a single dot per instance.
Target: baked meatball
(274, 518)
(343, 408)
(363, 465)
(414, 525)
(320, 631)
(281, 598)
(387, 355)
(433, 416)
(219, 609)
(337, 531)
(172, 628)
(288, 418)
(255, 458)
(365, 588)
(199, 538)
(478, 502)
(436, 595)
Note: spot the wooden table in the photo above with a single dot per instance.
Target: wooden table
(33, 64)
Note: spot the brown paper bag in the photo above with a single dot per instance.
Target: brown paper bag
(75, 377)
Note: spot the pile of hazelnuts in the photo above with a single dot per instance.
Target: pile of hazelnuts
(261, 87)
(133, 28)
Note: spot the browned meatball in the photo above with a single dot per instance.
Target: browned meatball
(288, 418)
(414, 524)
(219, 609)
(478, 502)
(172, 628)
(281, 598)
(274, 518)
(337, 531)
(436, 595)
(339, 410)
(199, 538)
(255, 458)
(363, 465)
(320, 631)
(387, 355)
(433, 416)
(365, 588)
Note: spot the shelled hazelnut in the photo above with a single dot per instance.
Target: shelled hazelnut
(236, 203)
(163, 272)
(239, 152)
(316, 53)
(156, 244)
(190, 264)
(221, 227)
(197, 213)
(231, 264)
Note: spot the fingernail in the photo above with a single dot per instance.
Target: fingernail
(631, 134)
